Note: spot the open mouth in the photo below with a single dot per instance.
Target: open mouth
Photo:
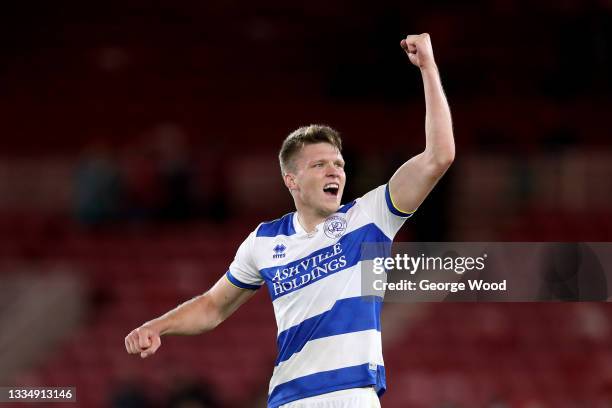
(331, 189)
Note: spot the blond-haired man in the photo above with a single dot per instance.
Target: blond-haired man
(330, 353)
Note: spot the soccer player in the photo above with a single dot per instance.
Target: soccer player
(329, 342)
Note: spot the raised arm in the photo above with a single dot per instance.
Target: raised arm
(198, 315)
(415, 179)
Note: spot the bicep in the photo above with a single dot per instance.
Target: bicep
(226, 297)
(413, 181)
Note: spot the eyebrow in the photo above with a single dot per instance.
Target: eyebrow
(340, 161)
(317, 161)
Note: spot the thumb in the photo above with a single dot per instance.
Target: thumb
(155, 342)
(144, 339)
(413, 58)
(147, 341)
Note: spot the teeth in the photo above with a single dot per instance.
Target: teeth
(331, 185)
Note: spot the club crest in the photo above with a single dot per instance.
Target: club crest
(334, 226)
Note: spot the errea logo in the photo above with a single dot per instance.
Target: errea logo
(279, 251)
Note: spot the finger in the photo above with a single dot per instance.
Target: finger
(424, 42)
(410, 42)
(132, 344)
(404, 44)
(407, 48)
(148, 352)
(151, 350)
(414, 59)
(155, 344)
(133, 339)
(128, 346)
(143, 340)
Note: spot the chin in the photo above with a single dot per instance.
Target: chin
(329, 210)
(327, 207)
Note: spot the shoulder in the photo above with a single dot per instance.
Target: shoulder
(379, 200)
(280, 226)
(346, 207)
(369, 202)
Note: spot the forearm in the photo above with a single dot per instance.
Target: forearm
(415, 179)
(195, 316)
(439, 142)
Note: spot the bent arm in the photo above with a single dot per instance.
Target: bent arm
(202, 313)
(415, 179)
(198, 315)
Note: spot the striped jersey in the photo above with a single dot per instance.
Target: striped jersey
(328, 333)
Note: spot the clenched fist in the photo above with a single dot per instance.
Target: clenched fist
(143, 340)
(419, 50)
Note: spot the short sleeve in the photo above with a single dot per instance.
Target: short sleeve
(378, 204)
(243, 272)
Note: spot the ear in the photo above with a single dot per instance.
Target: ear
(290, 181)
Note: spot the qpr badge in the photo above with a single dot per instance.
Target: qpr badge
(335, 226)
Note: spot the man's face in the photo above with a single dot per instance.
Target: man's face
(318, 179)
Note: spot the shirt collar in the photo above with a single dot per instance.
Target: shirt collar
(299, 230)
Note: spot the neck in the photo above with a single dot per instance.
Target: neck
(309, 221)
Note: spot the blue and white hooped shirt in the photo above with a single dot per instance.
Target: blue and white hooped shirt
(328, 334)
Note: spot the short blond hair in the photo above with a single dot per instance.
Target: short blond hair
(306, 135)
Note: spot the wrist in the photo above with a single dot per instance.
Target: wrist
(157, 325)
(430, 68)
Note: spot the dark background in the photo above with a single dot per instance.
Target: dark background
(138, 148)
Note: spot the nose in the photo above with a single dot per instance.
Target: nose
(333, 171)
